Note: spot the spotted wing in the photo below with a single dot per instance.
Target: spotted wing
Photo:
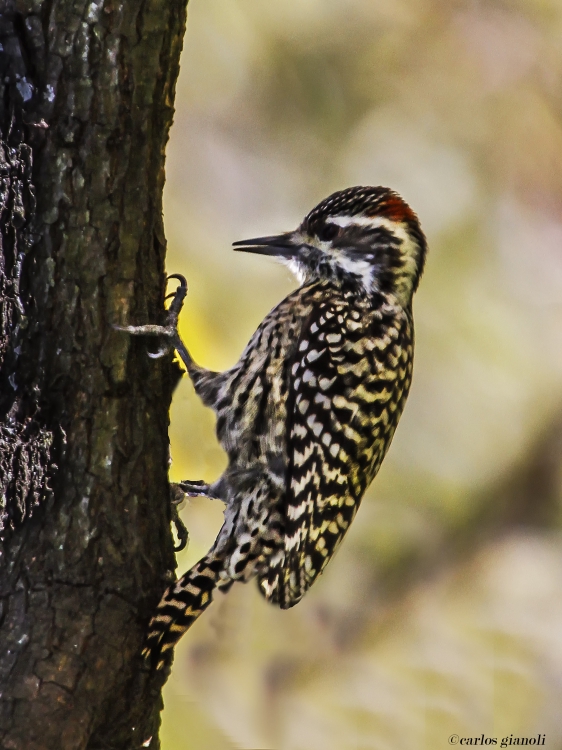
(329, 447)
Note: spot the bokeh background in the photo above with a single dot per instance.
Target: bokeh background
(442, 612)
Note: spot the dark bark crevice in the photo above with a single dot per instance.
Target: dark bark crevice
(26, 463)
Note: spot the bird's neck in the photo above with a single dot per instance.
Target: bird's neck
(356, 295)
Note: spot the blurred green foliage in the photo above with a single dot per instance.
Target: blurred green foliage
(442, 613)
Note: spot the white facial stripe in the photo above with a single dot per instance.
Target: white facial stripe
(361, 221)
(409, 248)
(361, 268)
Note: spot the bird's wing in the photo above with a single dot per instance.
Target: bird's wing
(331, 440)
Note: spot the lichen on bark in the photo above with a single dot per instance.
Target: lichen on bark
(25, 443)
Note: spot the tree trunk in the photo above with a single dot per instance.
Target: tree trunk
(86, 102)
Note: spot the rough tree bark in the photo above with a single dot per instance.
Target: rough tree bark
(86, 102)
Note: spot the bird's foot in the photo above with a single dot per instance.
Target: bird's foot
(195, 488)
(177, 496)
(169, 331)
(178, 491)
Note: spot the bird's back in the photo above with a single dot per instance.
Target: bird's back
(368, 348)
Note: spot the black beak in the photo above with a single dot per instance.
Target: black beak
(278, 246)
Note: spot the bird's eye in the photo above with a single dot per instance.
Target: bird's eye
(328, 232)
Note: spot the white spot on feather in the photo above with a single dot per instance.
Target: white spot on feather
(303, 406)
(309, 377)
(313, 355)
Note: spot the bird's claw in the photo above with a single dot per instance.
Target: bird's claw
(178, 298)
(194, 488)
(168, 331)
(176, 498)
(160, 353)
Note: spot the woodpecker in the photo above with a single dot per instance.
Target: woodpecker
(307, 414)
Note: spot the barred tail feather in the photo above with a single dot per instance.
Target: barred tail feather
(282, 585)
(180, 606)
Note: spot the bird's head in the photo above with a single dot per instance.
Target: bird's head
(366, 238)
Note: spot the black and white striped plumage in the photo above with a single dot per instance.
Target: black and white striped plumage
(309, 411)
